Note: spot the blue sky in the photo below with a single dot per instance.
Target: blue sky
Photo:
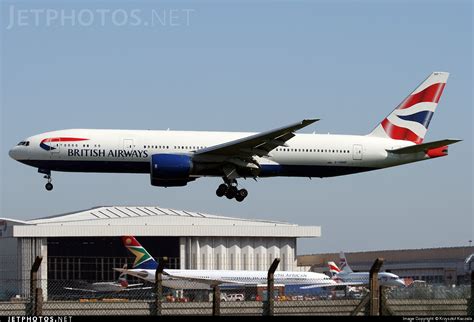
(245, 66)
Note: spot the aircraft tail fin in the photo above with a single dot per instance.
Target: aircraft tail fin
(333, 269)
(343, 264)
(411, 118)
(143, 260)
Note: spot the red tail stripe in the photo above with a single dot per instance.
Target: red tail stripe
(430, 94)
(334, 268)
(400, 133)
(130, 241)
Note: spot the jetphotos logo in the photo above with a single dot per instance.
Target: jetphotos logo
(46, 143)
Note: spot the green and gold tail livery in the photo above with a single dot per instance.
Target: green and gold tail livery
(143, 260)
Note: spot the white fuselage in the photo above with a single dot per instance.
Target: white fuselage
(384, 278)
(130, 151)
(188, 279)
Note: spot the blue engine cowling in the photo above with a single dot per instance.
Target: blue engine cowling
(170, 170)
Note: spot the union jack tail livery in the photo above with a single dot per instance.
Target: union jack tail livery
(343, 264)
(410, 120)
(143, 260)
(333, 269)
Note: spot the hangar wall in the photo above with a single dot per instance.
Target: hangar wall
(237, 253)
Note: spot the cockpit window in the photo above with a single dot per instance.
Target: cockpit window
(25, 143)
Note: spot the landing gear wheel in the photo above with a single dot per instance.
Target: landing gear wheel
(241, 195)
(221, 191)
(231, 192)
(49, 186)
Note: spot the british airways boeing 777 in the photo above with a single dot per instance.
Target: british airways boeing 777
(175, 158)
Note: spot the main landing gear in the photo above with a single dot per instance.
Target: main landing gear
(230, 190)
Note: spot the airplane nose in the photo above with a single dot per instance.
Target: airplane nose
(13, 153)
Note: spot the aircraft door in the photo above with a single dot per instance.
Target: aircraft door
(357, 152)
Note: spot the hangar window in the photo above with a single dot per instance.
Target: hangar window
(92, 258)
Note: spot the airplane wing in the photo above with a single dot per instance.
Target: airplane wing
(424, 146)
(332, 285)
(133, 285)
(137, 288)
(80, 289)
(258, 144)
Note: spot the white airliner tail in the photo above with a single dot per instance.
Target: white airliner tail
(343, 264)
(411, 118)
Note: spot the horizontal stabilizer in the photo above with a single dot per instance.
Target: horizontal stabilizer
(424, 147)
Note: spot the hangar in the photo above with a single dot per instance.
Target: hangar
(86, 245)
(443, 265)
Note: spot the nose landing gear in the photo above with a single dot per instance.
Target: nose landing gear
(230, 190)
(49, 185)
(47, 173)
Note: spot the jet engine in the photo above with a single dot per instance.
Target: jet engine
(170, 170)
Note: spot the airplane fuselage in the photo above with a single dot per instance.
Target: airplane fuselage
(130, 151)
(384, 278)
(183, 279)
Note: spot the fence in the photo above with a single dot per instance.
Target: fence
(69, 297)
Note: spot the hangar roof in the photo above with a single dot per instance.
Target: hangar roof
(151, 221)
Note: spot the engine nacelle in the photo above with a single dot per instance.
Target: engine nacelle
(170, 170)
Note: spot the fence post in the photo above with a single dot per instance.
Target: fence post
(39, 301)
(374, 302)
(216, 300)
(270, 303)
(470, 303)
(158, 310)
(36, 306)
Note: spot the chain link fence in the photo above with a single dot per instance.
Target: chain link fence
(133, 296)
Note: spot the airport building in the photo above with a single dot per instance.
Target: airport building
(445, 265)
(86, 245)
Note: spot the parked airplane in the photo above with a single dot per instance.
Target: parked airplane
(346, 275)
(145, 268)
(105, 287)
(174, 158)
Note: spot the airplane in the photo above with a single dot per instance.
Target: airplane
(105, 287)
(346, 275)
(175, 158)
(145, 268)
